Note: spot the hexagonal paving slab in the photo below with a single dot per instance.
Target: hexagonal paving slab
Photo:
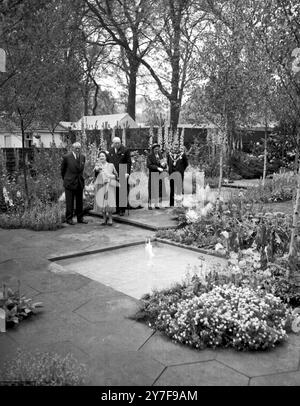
(284, 358)
(210, 373)
(294, 339)
(46, 328)
(124, 368)
(284, 379)
(15, 282)
(8, 348)
(49, 282)
(103, 309)
(169, 353)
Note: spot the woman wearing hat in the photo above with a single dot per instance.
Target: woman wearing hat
(156, 166)
(105, 188)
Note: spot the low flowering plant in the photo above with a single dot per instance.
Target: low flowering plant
(43, 369)
(226, 316)
(16, 306)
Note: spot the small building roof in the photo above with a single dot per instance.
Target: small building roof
(105, 121)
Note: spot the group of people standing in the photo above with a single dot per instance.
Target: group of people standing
(175, 162)
(112, 171)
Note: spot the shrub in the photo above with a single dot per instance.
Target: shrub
(40, 217)
(43, 369)
(279, 189)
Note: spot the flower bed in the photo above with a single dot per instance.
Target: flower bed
(223, 316)
(246, 306)
(43, 369)
(232, 230)
(39, 217)
(278, 189)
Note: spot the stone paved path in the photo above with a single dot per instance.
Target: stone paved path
(93, 322)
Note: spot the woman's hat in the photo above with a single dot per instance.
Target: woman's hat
(155, 145)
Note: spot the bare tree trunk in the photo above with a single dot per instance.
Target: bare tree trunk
(67, 104)
(220, 170)
(86, 98)
(220, 175)
(95, 103)
(265, 154)
(296, 162)
(295, 225)
(174, 113)
(23, 158)
(132, 76)
(2, 172)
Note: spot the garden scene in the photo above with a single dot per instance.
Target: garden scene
(149, 193)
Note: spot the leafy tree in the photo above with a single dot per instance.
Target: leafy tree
(126, 23)
(178, 29)
(275, 26)
(36, 90)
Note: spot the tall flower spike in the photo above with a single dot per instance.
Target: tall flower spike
(176, 137)
(181, 143)
(101, 138)
(150, 136)
(166, 135)
(159, 136)
(124, 136)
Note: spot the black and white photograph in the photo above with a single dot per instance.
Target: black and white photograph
(149, 196)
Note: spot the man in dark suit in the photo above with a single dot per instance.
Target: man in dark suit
(156, 165)
(120, 157)
(177, 163)
(72, 174)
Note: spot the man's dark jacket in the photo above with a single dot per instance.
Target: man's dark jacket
(153, 163)
(72, 171)
(180, 164)
(122, 156)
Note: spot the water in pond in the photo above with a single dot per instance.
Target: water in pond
(139, 269)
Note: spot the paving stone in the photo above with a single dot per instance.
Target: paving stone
(11, 266)
(74, 299)
(283, 379)
(294, 339)
(46, 328)
(50, 282)
(102, 309)
(8, 348)
(283, 358)
(120, 333)
(157, 219)
(16, 281)
(126, 368)
(93, 288)
(210, 373)
(57, 302)
(169, 353)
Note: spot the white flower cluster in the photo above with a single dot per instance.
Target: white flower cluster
(191, 216)
(227, 316)
(7, 199)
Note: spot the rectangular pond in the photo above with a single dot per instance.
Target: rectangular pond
(131, 271)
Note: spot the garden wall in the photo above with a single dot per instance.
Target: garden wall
(137, 139)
